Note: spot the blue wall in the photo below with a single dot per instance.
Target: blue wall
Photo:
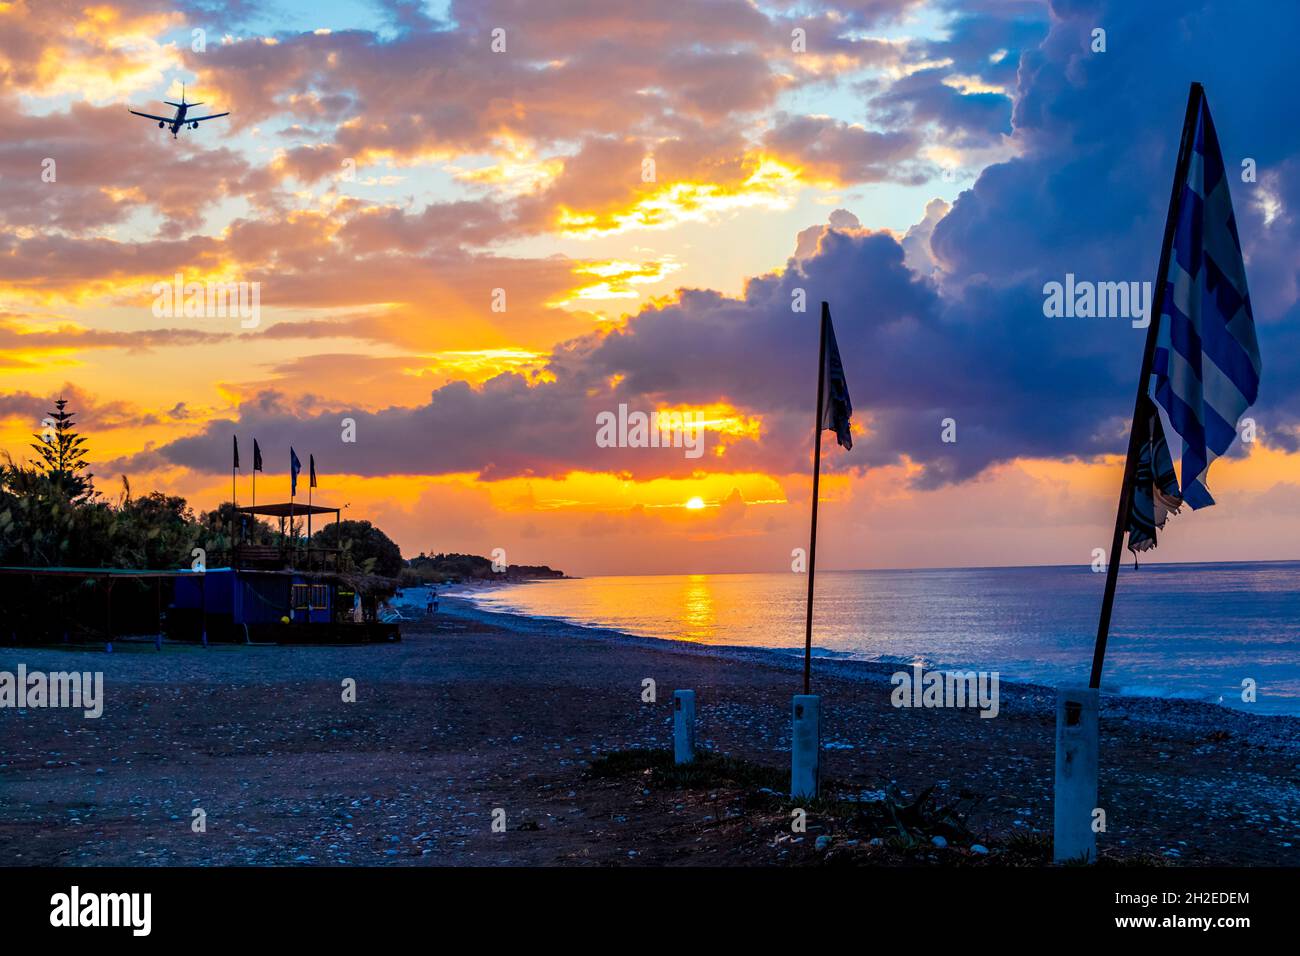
(250, 598)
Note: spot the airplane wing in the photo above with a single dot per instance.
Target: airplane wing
(164, 119)
(200, 119)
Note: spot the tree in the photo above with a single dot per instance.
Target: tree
(62, 451)
(224, 526)
(156, 531)
(372, 550)
(42, 524)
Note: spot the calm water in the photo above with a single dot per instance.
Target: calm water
(1185, 630)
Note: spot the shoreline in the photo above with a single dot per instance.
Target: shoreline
(1283, 729)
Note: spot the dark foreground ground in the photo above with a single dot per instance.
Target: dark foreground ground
(474, 713)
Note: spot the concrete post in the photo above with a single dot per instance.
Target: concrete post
(683, 726)
(1076, 774)
(806, 747)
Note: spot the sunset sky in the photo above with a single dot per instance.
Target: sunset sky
(926, 167)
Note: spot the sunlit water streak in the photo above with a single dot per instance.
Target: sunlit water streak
(1194, 631)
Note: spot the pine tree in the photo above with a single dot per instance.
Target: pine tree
(63, 457)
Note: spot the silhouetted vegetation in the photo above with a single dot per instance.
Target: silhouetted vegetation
(370, 549)
(46, 520)
(52, 516)
(223, 526)
(62, 452)
(448, 568)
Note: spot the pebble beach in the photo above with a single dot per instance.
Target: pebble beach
(478, 716)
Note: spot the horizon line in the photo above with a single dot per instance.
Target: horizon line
(978, 567)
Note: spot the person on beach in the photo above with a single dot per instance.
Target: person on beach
(432, 607)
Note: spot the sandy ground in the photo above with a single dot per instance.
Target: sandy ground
(474, 712)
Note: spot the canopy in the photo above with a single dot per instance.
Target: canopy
(288, 509)
(104, 572)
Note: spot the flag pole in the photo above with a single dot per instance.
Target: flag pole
(1194, 97)
(817, 470)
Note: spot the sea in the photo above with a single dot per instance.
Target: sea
(1224, 633)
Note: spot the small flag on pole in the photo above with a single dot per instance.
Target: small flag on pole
(1207, 361)
(836, 406)
(833, 412)
(295, 466)
(257, 466)
(312, 464)
(235, 439)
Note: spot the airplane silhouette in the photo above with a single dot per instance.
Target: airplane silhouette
(180, 119)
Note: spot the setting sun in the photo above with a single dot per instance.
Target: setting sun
(695, 504)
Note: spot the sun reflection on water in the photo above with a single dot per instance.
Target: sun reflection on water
(699, 613)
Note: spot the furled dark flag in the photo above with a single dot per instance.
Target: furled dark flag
(257, 456)
(312, 464)
(295, 466)
(1207, 361)
(1155, 486)
(235, 439)
(836, 406)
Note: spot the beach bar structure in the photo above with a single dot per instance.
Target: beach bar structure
(289, 551)
(289, 591)
(252, 605)
(52, 605)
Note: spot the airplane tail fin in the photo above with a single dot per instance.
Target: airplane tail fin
(182, 102)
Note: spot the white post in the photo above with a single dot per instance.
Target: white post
(1076, 775)
(806, 747)
(683, 726)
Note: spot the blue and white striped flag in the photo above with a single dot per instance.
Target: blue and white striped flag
(1207, 359)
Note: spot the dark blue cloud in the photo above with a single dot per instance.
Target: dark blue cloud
(969, 119)
(1090, 192)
